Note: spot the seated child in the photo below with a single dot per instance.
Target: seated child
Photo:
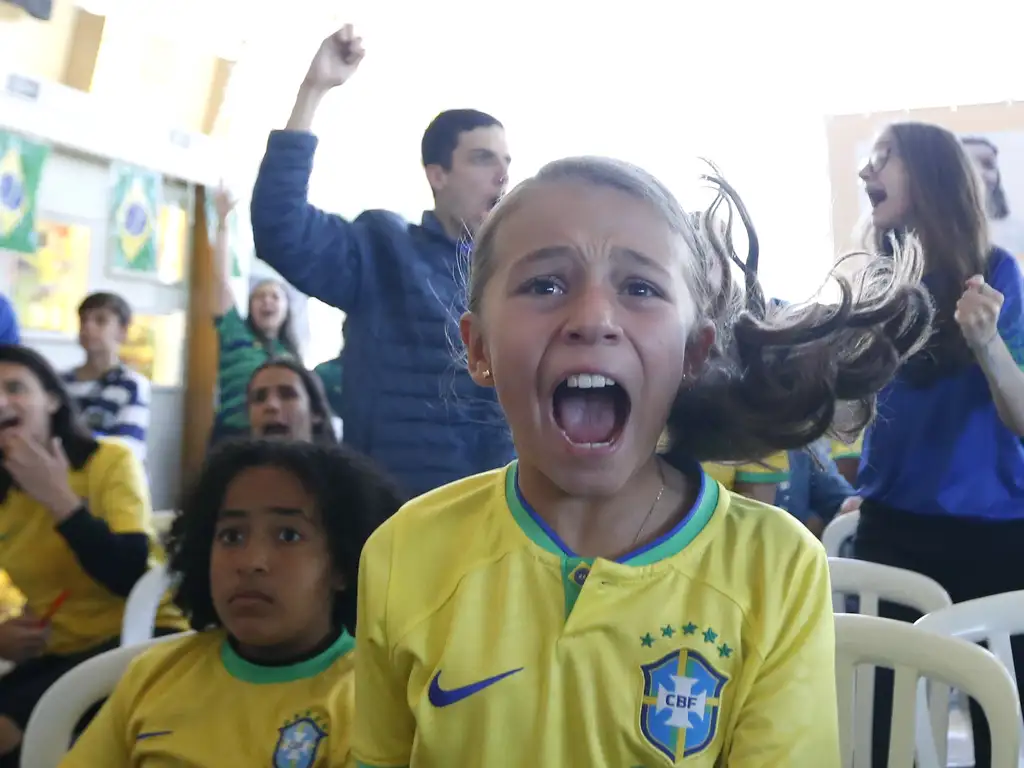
(113, 399)
(594, 603)
(815, 492)
(76, 534)
(267, 547)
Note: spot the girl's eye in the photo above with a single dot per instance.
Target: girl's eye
(642, 289)
(228, 536)
(290, 535)
(544, 286)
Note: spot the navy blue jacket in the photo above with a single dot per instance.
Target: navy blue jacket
(409, 402)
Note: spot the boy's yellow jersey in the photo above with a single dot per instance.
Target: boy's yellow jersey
(483, 641)
(774, 469)
(194, 701)
(841, 450)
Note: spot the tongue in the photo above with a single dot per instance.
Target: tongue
(586, 415)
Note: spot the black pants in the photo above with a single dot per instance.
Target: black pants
(970, 558)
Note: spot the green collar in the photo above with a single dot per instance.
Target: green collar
(671, 543)
(258, 674)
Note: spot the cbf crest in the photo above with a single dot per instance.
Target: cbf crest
(298, 742)
(681, 703)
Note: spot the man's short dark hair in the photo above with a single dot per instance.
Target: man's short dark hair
(442, 135)
(110, 301)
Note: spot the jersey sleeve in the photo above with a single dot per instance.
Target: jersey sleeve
(384, 724)
(1007, 279)
(105, 741)
(774, 469)
(791, 716)
(121, 496)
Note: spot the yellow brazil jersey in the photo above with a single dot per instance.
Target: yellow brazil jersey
(11, 599)
(194, 701)
(484, 642)
(774, 469)
(841, 450)
(42, 565)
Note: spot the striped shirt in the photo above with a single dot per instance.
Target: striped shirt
(114, 405)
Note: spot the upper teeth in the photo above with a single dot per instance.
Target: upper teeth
(588, 381)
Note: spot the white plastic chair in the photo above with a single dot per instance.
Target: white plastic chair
(991, 620)
(143, 602)
(912, 652)
(841, 529)
(872, 582)
(52, 724)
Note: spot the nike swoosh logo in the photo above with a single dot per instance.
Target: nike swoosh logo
(152, 735)
(439, 697)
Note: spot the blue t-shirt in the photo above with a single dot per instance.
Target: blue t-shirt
(942, 449)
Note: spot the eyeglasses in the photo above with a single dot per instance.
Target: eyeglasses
(878, 158)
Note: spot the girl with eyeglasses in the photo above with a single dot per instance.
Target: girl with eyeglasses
(942, 467)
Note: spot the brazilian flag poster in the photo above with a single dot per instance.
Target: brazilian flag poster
(135, 196)
(21, 169)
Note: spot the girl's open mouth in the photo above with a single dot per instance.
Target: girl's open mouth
(876, 196)
(591, 409)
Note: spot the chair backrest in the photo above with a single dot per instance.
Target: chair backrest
(991, 620)
(51, 727)
(912, 653)
(839, 531)
(872, 582)
(142, 605)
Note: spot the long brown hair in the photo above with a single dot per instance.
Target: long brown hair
(773, 378)
(947, 199)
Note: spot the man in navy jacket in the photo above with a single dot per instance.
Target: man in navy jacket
(409, 404)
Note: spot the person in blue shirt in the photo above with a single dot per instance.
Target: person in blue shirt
(816, 491)
(942, 466)
(9, 332)
(408, 403)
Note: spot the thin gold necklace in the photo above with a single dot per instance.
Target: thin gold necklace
(654, 506)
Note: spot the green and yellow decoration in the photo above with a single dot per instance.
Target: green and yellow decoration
(134, 209)
(21, 170)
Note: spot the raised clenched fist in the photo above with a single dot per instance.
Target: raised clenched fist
(336, 60)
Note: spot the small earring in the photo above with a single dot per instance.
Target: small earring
(486, 373)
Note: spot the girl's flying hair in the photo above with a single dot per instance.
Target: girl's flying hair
(774, 377)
